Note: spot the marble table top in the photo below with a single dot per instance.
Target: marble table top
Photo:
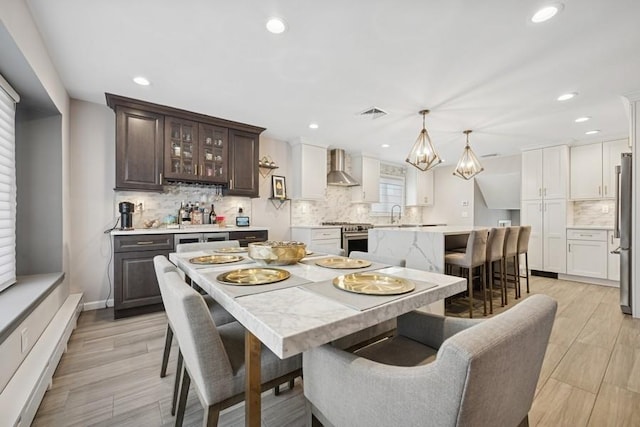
(291, 320)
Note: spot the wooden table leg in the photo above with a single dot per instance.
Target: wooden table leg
(252, 408)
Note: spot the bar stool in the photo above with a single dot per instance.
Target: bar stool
(511, 254)
(474, 256)
(523, 249)
(495, 250)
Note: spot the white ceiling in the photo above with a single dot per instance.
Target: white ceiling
(479, 65)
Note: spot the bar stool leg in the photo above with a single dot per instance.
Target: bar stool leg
(490, 277)
(483, 284)
(470, 291)
(504, 286)
(526, 265)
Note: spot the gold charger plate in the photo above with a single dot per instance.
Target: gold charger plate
(216, 259)
(342, 262)
(231, 250)
(372, 283)
(253, 276)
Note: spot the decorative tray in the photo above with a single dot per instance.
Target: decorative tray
(253, 276)
(216, 259)
(231, 250)
(372, 283)
(342, 262)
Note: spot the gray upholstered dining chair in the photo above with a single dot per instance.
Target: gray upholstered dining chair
(474, 256)
(219, 315)
(495, 250)
(437, 371)
(204, 246)
(523, 249)
(376, 332)
(213, 356)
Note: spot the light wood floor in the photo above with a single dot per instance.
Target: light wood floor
(110, 373)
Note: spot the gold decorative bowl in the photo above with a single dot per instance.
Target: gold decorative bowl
(277, 253)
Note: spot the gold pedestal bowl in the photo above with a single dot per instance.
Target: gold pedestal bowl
(277, 253)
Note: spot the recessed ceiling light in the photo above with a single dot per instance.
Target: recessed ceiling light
(276, 26)
(385, 145)
(313, 126)
(546, 13)
(583, 119)
(142, 81)
(592, 132)
(566, 96)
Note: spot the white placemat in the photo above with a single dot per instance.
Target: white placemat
(360, 301)
(190, 255)
(341, 271)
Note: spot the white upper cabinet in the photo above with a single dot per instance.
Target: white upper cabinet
(593, 169)
(419, 188)
(532, 175)
(545, 173)
(309, 172)
(611, 154)
(366, 170)
(586, 172)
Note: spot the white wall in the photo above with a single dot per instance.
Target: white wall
(450, 194)
(39, 195)
(92, 176)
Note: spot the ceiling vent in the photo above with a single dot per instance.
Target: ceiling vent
(373, 113)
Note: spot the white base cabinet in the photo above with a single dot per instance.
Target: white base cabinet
(318, 238)
(613, 260)
(587, 253)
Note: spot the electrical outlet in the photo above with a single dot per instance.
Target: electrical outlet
(605, 208)
(465, 203)
(140, 205)
(24, 340)
(465, 214)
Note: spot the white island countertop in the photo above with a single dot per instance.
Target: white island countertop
(187, 229)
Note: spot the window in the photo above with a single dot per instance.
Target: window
(8, 99)
(391, 193)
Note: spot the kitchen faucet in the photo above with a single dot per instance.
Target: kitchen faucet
(399, 213)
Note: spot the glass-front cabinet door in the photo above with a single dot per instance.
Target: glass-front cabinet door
(213, 157)
(181, 149)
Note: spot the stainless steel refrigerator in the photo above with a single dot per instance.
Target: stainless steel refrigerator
(623, 229)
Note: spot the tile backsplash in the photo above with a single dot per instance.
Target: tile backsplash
(592, 212)
(159, 205)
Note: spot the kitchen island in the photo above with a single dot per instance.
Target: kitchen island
(422, 247)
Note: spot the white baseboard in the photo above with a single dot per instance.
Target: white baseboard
(592, 280)
(96, 305)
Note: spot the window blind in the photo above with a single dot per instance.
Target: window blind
(391, 193)
(8, 99)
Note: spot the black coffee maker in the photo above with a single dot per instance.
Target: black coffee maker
(126, 215)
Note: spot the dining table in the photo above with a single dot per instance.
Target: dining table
(307, 309)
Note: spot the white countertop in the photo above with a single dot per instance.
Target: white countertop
(316, 226)
(188, 229)
(445, 230)
(590, 227)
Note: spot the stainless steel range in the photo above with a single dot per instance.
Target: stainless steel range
(355, 236)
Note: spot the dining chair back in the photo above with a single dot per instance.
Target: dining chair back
(472, 380)
(205, 246)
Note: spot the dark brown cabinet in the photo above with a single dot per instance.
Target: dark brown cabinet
(139, 142)
(246, 237)
(243, 164)
(156, 144)
(135, 285)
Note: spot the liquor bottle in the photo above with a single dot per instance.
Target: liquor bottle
(181, 213)
(186, 217)
(212, 215)
(205, 217)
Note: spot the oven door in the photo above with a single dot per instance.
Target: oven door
(355, 241)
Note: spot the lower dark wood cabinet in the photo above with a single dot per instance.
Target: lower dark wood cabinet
(246, 237)
(136, 288)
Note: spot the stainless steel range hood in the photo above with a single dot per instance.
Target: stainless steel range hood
(337, 175)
